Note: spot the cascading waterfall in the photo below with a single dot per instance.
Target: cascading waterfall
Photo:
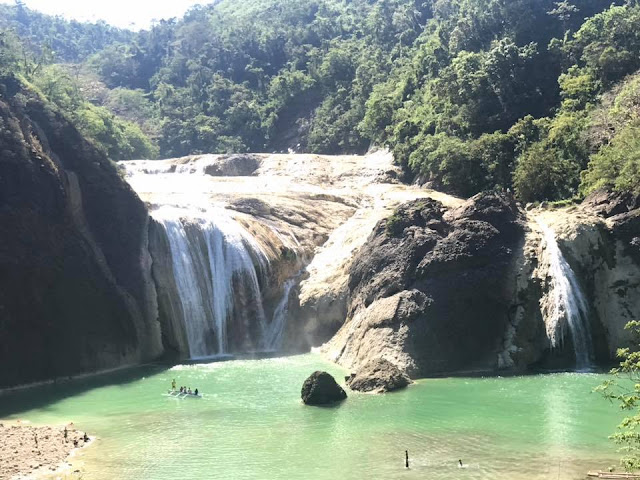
(569, 306)
(273, 332)
(212, 257)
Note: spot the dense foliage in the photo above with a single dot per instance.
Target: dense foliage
(69, 41)
(624, 389)
(468, 94)
(114, 135)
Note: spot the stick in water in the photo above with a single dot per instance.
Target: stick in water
(406, 458)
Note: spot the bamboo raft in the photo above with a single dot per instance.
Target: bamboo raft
(614, 475)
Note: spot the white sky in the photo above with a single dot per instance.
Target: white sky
(134, 14)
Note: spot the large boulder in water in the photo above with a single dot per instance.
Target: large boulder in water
(237, 165)
(321, 389)
(378, 375)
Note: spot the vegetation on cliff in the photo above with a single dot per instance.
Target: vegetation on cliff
(470, 95)
(624, 388)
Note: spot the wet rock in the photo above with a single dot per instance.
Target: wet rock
(321, 389)
(379, 375)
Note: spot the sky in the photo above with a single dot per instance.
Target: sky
(133, 14)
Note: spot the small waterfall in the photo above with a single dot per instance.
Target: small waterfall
(273, 333)
(569, 305)
(214, 261)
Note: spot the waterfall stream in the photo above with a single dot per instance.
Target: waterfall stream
(273, 333)
(214, 260)
(569, 305)
(216, 266)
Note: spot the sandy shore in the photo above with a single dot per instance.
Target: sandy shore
(28, 451)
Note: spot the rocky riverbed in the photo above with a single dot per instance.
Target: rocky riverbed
(28, 451)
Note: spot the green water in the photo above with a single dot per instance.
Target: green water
(251, 425)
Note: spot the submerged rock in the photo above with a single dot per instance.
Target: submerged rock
(321, 389)
(379, 376)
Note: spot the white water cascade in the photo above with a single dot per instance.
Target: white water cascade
(213, 264)
(568, 306)
(211, 253)
(274, 331)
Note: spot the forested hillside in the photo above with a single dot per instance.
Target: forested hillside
(69, 41)
(538, 96)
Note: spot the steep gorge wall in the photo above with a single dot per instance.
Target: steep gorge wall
(75, 288)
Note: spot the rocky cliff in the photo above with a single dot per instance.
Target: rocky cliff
(600, 240)
(75, 289)
(470, 288)
(431, 290)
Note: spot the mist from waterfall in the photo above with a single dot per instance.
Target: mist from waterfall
(214, 259)
(569, 305)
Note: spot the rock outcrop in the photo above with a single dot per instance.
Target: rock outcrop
(75, 287)
(432, 289)
(600, 240)
(233, 166)
(321, 389)
(378, 376)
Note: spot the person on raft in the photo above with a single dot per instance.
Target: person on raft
(173, 384)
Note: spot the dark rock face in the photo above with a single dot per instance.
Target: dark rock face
(321, 389)
(75, 294)
(233, 166)
(623, 211)
(432, 289)
(379, 375)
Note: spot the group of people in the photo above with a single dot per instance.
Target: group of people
(186, 390)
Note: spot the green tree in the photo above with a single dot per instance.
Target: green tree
(616, 165)
(624, 389)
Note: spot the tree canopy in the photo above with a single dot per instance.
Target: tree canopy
(469, 95)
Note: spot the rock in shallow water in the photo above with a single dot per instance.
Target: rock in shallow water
(379, 376)
(321, 389)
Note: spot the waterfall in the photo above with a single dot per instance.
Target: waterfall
(211, 271)
(273, 333)
(569, 306)
(214, 261)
